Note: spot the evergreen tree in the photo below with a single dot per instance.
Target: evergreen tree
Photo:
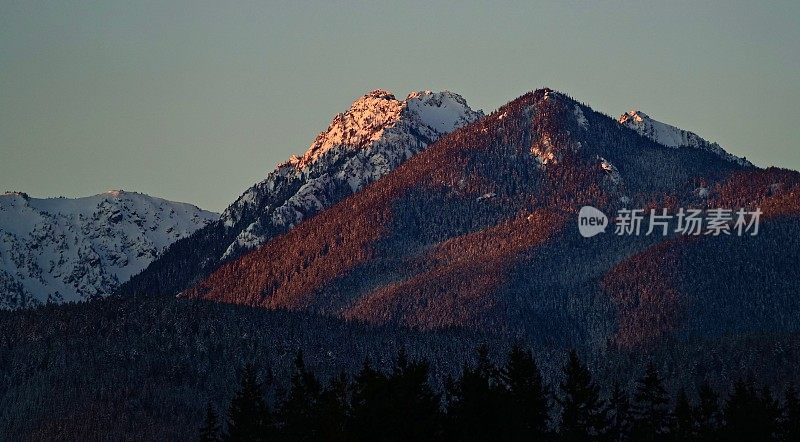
(412, 400)
(474, 402)
(210, 432)
(248, 417)
(750, 415)
(790, 422)
(369, 404)
(682, 418)
(650, 407)
(768, 413)
(398, 407)
(301, 412)
(707, 414)
(527, 405)
(583, 415)
(619, 412)
(334, 410)
(739, 411)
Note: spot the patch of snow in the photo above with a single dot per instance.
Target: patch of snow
(672, 136)
(443, 112)
(580, 117)
(611, 170)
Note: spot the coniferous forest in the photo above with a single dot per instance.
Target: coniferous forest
(502, 402)
(161, 368)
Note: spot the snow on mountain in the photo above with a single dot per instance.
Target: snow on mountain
(63, 249)
(672, 136)
(580, 117)
(374, 136)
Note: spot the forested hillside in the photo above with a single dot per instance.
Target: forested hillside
(145, 368)
(479, 231)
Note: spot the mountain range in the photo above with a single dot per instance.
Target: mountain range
(479, 230)
(361, 145)
(374, 136)
(414, 224)
(377, 134)
(71, 249)
(562, 149)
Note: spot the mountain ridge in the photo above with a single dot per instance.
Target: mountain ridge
(384, 133)
(69, 249)
(672, 136)
(446, 238)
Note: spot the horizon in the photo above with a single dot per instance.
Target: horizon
(195, 102)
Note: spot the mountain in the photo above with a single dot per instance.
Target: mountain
(479, 230)
(63, 249)
(373, 137)
(672, 136)
(472, 240)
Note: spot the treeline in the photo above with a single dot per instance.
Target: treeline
(489, 402)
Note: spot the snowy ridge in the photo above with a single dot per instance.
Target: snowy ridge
(379, 116)
(62, 249)
(374, 136)
(672, 136)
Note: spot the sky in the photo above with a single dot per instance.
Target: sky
(195, 101)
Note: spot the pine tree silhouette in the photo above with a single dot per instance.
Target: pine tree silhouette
(210, 432)
(335, 410)
(790, 419)
(527, 407)
(650, 407)
(750, 415)
(619, 408)
(583, 413)
(412, 400)
(487, 403)
(369, 404)
(248, 417)
(768, 413)
(682, 418)
(707, 414)
(300, 412)
(474, 402)
(742, 414)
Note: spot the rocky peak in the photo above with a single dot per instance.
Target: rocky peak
(371, 116)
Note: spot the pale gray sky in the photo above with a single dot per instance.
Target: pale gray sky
(195, 101)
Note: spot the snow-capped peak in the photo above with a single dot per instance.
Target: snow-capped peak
(636, 116)
(442, 111)
(67, 249)
(672, 136)
(371, 116)
(375, 135)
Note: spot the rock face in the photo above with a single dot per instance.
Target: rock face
(61, 249)
(373, 137)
